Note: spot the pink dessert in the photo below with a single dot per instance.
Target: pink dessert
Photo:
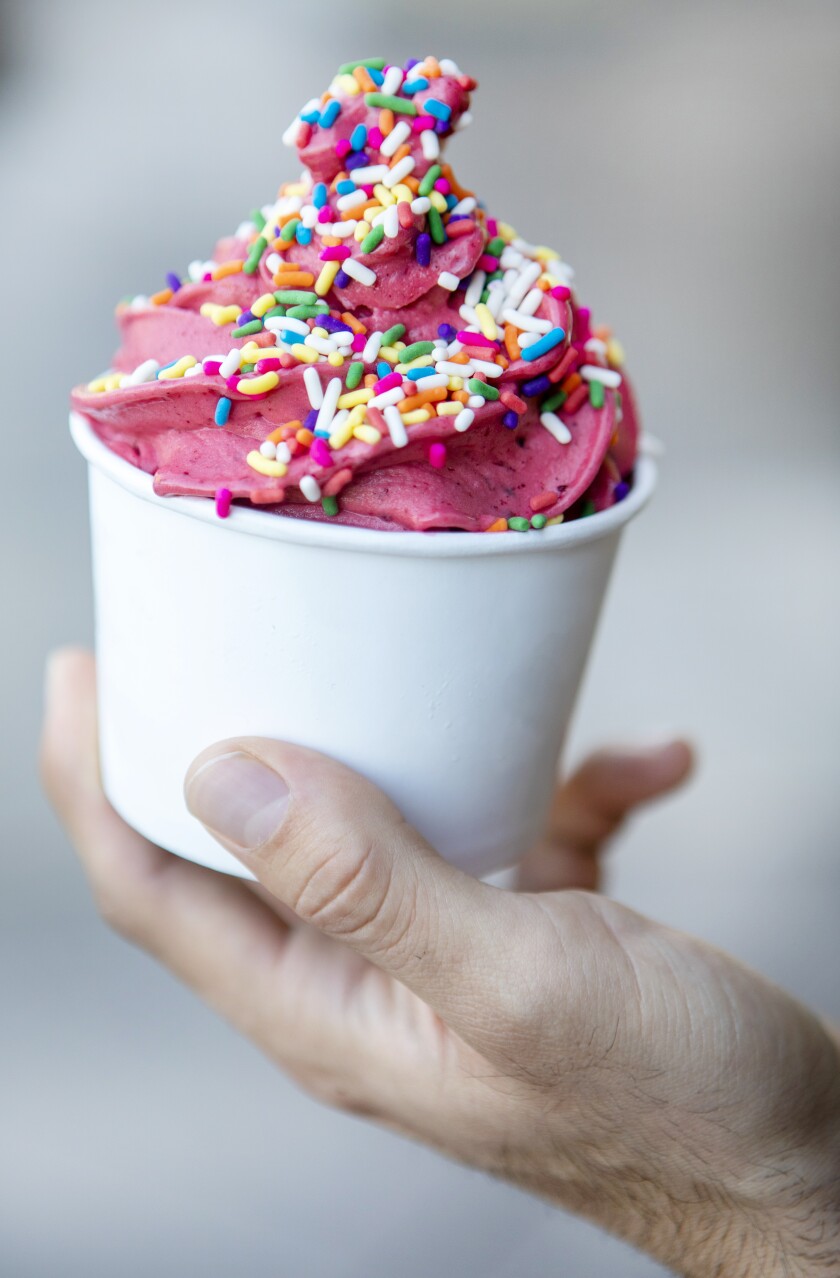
(372, 347)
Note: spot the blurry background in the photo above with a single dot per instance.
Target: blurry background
(684, 158)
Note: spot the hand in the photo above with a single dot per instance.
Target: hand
(625, 1071)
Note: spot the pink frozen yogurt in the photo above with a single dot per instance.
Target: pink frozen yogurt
(372, 347)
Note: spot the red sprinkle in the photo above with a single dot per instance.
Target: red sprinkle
(567, 363)
(405, 215)
(437, 455)
(456, 229)
(287, 361)
(335, 253)
(338, 481)
(319, 452)
(377, 419)
(304, 136)
(542, 501)
(513, 402)
(576, 400)
(223, 499)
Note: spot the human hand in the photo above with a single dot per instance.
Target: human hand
(627, 1072)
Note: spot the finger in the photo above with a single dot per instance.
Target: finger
(334, 849)
(591, 805)
(208, 928)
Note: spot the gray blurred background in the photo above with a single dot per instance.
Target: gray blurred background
(684, 158)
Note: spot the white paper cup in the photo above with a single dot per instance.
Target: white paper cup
(443, 666)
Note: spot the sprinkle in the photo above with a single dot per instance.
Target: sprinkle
(161, 298)
(415, 350)
(172, 281)
(437, 455)
(354, 375)
(335, 253)
(427, 183)
(596, 394)
(358, 271)
(263, 466)
(269, 449)
(477, 387)
(329, 505)
(330, 114)
(253, 260)
(438, 109)
(518, 524)
(372, 347)
(259, 385)
(223, 501)
(390, 102)
(245, 330)
(222, 413)
(606, 376)
(310, 488)
(367, 434)
(393, 334)
(373, 239)
(399, 171)
(231, 267)
(319, 452)
(231, 362)
(388, 382)
(449, 281)
(498, 525)
(399, 135)
(464, 420)
(436, 227)
(544, 344)
(314, 389)
(385, 398)
(423, 248)
(326, 412)
(294, 297)
(536, 385)
(171, 372)
(430, 144)
(542, 501)
(556, 427)
(486, 322)
(396, 426)
(510, 419)
(538, 521)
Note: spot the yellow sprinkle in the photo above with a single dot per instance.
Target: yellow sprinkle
(558, 519)
(352, 398)
(405, 194)
(262, 305)
(110, 382)
(390, 354)
(177, 370)
(360, 231)
(438, 202)
(447, 409)
(506, 231)
(258, 385)
(357, 416)
(370, 214)
(367, 434)
(265, 466)
(422, 361)
(456, 383)
(485, 321)
(305, 354)
(384, 196)
(418, 415)
(320, 332)
(343, 435)
(543, 254)
(615, 352)
(348, 84)
(251, 352)
(221, 314)
(324, 282)
(336, 359)
(296, 188)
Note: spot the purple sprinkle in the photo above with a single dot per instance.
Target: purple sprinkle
(441, 126)
(460, 217)
(341, 280)
(412, 62)
(310, 419)
(356, 160)
(423, 248)
(536, 386)
(447, 332)
(333, 325)
(621, 490)
(511, 420)
(245, 318)
(173, 281)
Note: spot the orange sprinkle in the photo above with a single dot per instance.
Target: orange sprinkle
(462, 396)
(413, 185)
(160, 299)
(498, 525)
(304, 436)
(512, 346)
(288, 266)
(263, 339)
(460, 358)
(371, 379)
(351, 322)
(386, 121)
(293, 279)
(400, 154)
(233, 267)
(571, 383)
(543, 283)
(287, 217)
(357, 212)
(280, 434)
(330, 241)
(542, 501)
(433, 396)
(364, 81)
(603, 333)
(432, 67)
(502, 362)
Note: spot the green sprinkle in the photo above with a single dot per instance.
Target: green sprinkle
(373, 239)
(247, 368)
(427, 185)
(415, 350)
(388, 102)
(495, 275)
(354, 374)
(554, 401)
(496, 247)
(288, 232)
(436, 228)
(518, 524)
(329, 506)
(485, 295)
(589, 509)
(295, 297)
(538, 521)
(347, 68)
(305, 312)
(257, 249)
(481, 388)
(596, 394)
(245, 330)
(274, 312)
(393, 334)
(258, 220)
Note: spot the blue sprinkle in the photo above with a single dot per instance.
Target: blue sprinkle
(358, 138)
(377, 76)
(356, 160)
(544, 344)
(311, 117)
(330, 114)
(537, 385)
(451, 201)
(321, 434)
(303, 234)
(383, 369)
(417, 373)
(433, 106)
(447, 332)
(291, 338)
(620, 491)
(319, 195)
(341, 280)
(222, 413)
(345, 187)
(410, 87)
(510, 419)
(173, 281)
(310, 419)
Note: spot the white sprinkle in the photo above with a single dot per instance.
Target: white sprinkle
(399, 171)
(197, 271)
(283, 453)
(145, 372)
(556, 427)
(340, 229)
(350, 200)
(464, 122)
(607, 376)
(230, 363)
(328, 405)
(392, 396)
(448, 67)
(523, 283)
(526, 323)
(596, 347)
(475, 401)
(339, 420)
(485, 366)
(429, 383)
(464, 206)
(279, 323)
(273, 261)
(421, 205)
(527, 339)
(314, 389)
(396, 426)
(563, 272)
(139, 303)
(400, 133)
(245, 229)
(448, 280)
(323, 345)
(371, 348)
(391, 222)
(343, 338)
(511, 257)
(194, 371)
(464, 420)
(495, 298)
(393, 80)
(372, 174)
(430, 143)
(290, 137)
(529, 250)
(454, 370)
(268, 449)
(310, 488)
(475, 288)
(469, 316)
(358, 271)
(531, 303)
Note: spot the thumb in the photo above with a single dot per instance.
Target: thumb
(332, 847)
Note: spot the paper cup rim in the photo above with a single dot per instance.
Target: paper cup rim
(318, 533)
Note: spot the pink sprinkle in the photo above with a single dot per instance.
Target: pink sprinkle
(561, 292)
(342, 147)
(319, 452)
(377, 418)
(335, 253)
(339, 480)
(387, 383)
(443, 186)
(368, 189)
(269, 365)
(481, 351)
(325, 214)
(582, 322)
(437, 455)
(208, 277)
(375, 138)
(456, 229)
(223, 499)
(422, 122)
(542, 501)
(211, 366)
(405, 215)
(304, 136)
(476, 339)
(492, 227)
(488, 263)
(233, 382)
(287, 361)
(359, 342)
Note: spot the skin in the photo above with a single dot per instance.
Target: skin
(550, 1036)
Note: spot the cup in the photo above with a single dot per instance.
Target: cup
(443, 666)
